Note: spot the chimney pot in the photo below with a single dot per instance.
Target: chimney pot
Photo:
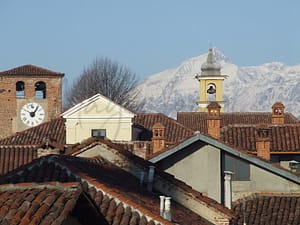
(227, 189)
(162, 205)
(167, 212)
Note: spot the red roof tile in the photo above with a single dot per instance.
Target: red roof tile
(175, 132)
(14, 156)
(53, 131)
(105, 183)
(197, 120)
(284, 138)
(131, 158)
(268, 209)
(30, 70)
(33, 204)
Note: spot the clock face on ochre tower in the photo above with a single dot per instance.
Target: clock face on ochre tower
(32, 114)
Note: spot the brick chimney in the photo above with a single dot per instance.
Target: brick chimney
(263, 141)
(158, 137)
(278, 113)
(214, 120)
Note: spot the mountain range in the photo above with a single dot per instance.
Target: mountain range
(247, 88)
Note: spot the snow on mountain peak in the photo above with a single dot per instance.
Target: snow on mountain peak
(251, 88)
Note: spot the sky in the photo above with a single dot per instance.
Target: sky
(145, 36)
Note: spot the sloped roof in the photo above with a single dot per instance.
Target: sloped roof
(37, 204)
(242, 154)
(53, 131)
(262, 209)
(197, 120)
(30, 70)
(139, 162)
(284, 138)
(14, 156)
(175, 132)
(117, 193)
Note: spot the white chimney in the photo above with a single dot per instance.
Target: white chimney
(227, 189)
(162, 205)
(150, 178)
(167, 212)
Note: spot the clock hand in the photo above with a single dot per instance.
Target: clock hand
(36, 109)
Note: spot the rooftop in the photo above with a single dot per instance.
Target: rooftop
(30, 70)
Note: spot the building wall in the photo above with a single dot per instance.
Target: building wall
(262, 181)
(10, 121)
(80, 129)
(99, 114)
(201, 170)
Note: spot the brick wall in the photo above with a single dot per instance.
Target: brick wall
(10, 105)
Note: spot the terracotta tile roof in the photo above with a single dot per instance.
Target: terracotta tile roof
(30, 70)
(268, 209)
(116, 199)
(54, 131)
(131, 158)
(197, 120)
(284, 138)
(14, 156)
(36, 204)
(175, 132)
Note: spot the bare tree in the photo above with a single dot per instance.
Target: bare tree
(109, 79)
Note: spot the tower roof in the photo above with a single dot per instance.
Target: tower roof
(30, 70)
(210, 67)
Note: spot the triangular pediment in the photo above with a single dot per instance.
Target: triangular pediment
(97, 106)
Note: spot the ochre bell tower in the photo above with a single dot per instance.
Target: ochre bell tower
(211, 83)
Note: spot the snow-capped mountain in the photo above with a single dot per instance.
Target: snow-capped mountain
(251, 88)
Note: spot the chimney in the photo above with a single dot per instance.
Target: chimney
(162, 205)
(278, 113)
(263, 141)
(158, 137)
(214, 120)
(227, 189)
(293, 165)
(150, 178)
(167, 212)
(165, 207)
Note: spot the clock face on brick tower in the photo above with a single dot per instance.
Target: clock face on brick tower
(32, 114)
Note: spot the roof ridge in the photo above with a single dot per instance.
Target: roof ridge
(48, 185)
(29, 69)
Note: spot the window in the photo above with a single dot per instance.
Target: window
(98, 133)
(240, 169)
(40, 90)
(20, 89)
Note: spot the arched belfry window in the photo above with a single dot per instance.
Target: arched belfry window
(40, 90)
(20, 89)
(211, 92)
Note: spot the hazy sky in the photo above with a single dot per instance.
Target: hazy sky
(146, 36)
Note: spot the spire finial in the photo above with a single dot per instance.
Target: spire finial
(210, 67)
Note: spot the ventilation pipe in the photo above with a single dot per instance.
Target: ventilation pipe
(227, 189)
(167, 213)
(150, 178)
(165, 207)
(142, 177)
(162, 205)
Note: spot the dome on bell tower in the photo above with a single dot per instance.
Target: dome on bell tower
(210, 67)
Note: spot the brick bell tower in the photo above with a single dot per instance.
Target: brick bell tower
(211, 83)
(29, 96)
